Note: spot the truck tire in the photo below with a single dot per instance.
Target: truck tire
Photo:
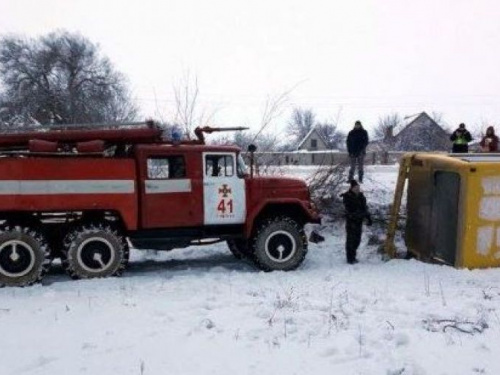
(126, 259)
(279, 244)
(94, 250)
(239, 248)
(24, 256)
(126, 255)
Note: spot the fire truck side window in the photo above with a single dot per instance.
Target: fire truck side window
(166, 168)
(219, 165)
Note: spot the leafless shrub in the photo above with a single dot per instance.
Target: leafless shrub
(325, 186)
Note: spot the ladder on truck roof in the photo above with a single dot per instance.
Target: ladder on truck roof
(90, 138)
(117, 133)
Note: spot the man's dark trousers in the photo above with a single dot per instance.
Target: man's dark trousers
(357, 160)
(354, 229)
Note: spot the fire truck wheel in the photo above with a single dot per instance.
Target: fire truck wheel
(239, 248)
(24, 256)
(94, 251)
(126, 254)
(280, 244)
(126, 258)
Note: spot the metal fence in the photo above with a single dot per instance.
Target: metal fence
(323, 158)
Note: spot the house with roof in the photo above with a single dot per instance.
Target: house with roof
(422, 133)
(313, 141)
(313, 149)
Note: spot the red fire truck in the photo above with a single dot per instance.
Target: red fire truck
(84, 194)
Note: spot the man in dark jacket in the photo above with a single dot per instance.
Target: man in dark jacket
(356, 211)
(357, 140)
(460, 138)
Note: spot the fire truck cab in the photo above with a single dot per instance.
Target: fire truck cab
(202, 185)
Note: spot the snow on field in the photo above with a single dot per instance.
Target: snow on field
(379, 185)
(200, 311)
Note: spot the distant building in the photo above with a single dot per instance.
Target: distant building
(421, 134)
(313, 141)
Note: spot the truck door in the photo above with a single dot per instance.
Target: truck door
(224, 197)
(167, 193)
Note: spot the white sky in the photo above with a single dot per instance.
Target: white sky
(357, 58)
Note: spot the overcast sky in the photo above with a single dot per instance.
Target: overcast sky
(355, 59)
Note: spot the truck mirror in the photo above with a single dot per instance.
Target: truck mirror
(251, 149)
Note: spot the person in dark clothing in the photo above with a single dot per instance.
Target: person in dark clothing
(357, 140)
(356, 211)
(489, 143)
(460, 138)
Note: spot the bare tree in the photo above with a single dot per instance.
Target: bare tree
(268, 141)
(60, 77)
(273, 109)
(188, 111)
(186, 100)
(387, 127)
(301, 123)
(334, 138)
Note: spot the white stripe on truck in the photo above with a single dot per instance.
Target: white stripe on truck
(168, 186)
(53, 187)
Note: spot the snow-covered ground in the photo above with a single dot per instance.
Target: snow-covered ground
(200, 311)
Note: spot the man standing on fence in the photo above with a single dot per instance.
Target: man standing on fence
(490, 141)
(460, 138)
(356, 212)
(357, 140)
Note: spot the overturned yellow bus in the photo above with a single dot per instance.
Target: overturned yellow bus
(453, 208)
